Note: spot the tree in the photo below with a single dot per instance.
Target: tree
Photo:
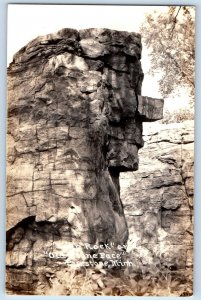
(170, 37)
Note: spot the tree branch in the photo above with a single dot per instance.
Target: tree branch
(175, 21)
(177, 65)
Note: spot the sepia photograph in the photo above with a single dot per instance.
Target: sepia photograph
(100, 150)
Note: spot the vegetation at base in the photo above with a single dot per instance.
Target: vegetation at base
(124, 282)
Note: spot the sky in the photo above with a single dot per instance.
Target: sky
(26, 22)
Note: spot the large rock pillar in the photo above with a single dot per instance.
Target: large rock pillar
(74, 123)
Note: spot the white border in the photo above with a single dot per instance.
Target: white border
(3, 70)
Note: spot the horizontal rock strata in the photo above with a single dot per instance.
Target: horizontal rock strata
(74, 123)
(158, 198)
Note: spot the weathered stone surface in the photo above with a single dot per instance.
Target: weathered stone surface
(73, 126)
(150, 109)
(158, 198)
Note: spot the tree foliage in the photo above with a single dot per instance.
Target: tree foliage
(170, 37)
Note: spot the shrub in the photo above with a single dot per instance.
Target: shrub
(177, 116)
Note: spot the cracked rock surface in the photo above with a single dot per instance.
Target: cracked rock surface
(158, 198)
(74, 123)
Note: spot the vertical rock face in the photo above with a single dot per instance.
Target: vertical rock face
(74, 123)
(159, 201)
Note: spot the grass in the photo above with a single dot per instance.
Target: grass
(102, 282)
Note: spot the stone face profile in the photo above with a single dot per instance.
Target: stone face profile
(75, 114)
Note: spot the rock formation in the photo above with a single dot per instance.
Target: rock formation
(158, 198)
(75, 114)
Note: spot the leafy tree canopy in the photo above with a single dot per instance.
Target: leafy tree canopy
(170, 37)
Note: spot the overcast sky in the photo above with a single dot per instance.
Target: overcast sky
(26, 22)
